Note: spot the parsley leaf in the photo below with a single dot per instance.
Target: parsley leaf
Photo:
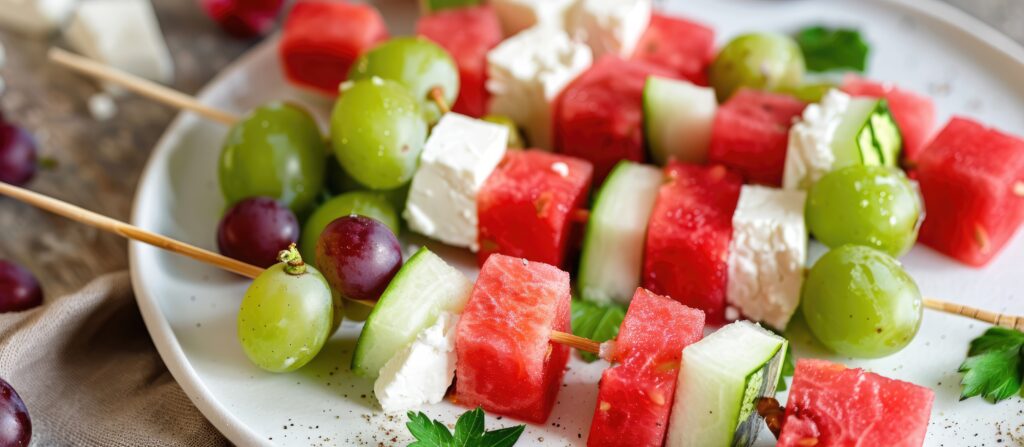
(994, 368)
(827, 49)
(598, 322)
(788, 368)
(469, 432)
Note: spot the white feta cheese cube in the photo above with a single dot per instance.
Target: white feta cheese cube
(123, 34)
(809, 155)
(35, 17)
(527, 72)
(518, 15)
(420, 373)
(609, 26)
(457, 158)
(767, 254)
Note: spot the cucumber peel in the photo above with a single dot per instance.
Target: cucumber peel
(868, 135)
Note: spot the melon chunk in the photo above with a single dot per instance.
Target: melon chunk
(467, 34)
(751, 132)
(507, 363)
(914, 113)
(687, 48)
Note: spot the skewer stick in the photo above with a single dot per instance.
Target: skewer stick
(437, 95)
(140, 86)
(134, 233)
(998, 319)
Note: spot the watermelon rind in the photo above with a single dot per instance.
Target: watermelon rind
(613, 247)
(422, 289)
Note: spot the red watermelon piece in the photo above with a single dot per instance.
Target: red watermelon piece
(972, 179)
(467, 34)
(832, 406)
(321, 40)
(687, 48)
(687, 248)
(599, 116)
(914, 114)
(525, 207)
(751, 132)
(635, 396)
(507, 363)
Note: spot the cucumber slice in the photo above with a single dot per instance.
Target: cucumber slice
(677, 119)
(422, 289)
(867, 135)
(720, 380)
(614, 243)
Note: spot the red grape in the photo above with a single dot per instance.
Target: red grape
(19, 290)
(243, 18)
(15, 425)
(358, 256)
(17, 155)
(256, 229)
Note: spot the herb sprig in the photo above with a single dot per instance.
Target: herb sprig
(827, 49)
(994, 367)
(598, 322)
(469, 432)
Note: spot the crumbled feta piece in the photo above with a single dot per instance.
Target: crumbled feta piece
(518, 15)
(36, 17)
(457, 158)
(123, 34)
(527, 72)
(767, 254)
(609, 26)
(102, 107)
(420, 373)
(809, 155)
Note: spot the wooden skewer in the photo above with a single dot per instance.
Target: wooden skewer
(437, 95)
(139, 85)
(134, 233)
(998, 319)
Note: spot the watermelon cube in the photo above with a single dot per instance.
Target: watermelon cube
(687, 250)
(972, 179)
(507, 363)
(635, 396)
(526, 207)
(914, 114)
(751, 132)
(467, 34)
(831, 406)
(687, 48)
(599, 116)
(321, 40)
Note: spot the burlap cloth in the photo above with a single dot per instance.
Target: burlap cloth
(90, 375)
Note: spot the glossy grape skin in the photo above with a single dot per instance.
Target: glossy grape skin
(18, 155)
(364, 203)
(762, 61)
(358, 256)
(19, 289)
(859, 302)
(15, 423)
(418, 64)
(874, 206)
(515, 137)
(256, 229)
(285, 319)
(378, 133)
(357, 311)
(275, 151)
(339, 182)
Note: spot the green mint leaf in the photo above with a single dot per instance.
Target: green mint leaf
(788, 368)
(827, 49)
(428, 433)
(469, 429)
(505, 437)
(597, 322)
(994, 375)
(437, 5)
(997, 339)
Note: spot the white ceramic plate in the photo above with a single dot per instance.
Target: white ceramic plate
(190, 309)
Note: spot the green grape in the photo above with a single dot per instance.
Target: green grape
(357, 311)
(339, 182)
(418, 64)
(275, 151)
(809, 92)
(515, 137)
(286, 315)
(378, 132)
(763, 61)
(370, 204)
(874, 206)
(860, 302)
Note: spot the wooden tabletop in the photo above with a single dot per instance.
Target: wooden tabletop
(99, 162)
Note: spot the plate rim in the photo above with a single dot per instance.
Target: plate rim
(163, 336)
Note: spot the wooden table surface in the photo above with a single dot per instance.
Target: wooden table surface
(99, 163)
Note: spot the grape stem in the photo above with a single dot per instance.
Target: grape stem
(437, 95)
(293, 264)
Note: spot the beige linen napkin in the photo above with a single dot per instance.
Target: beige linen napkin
(87, 370)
